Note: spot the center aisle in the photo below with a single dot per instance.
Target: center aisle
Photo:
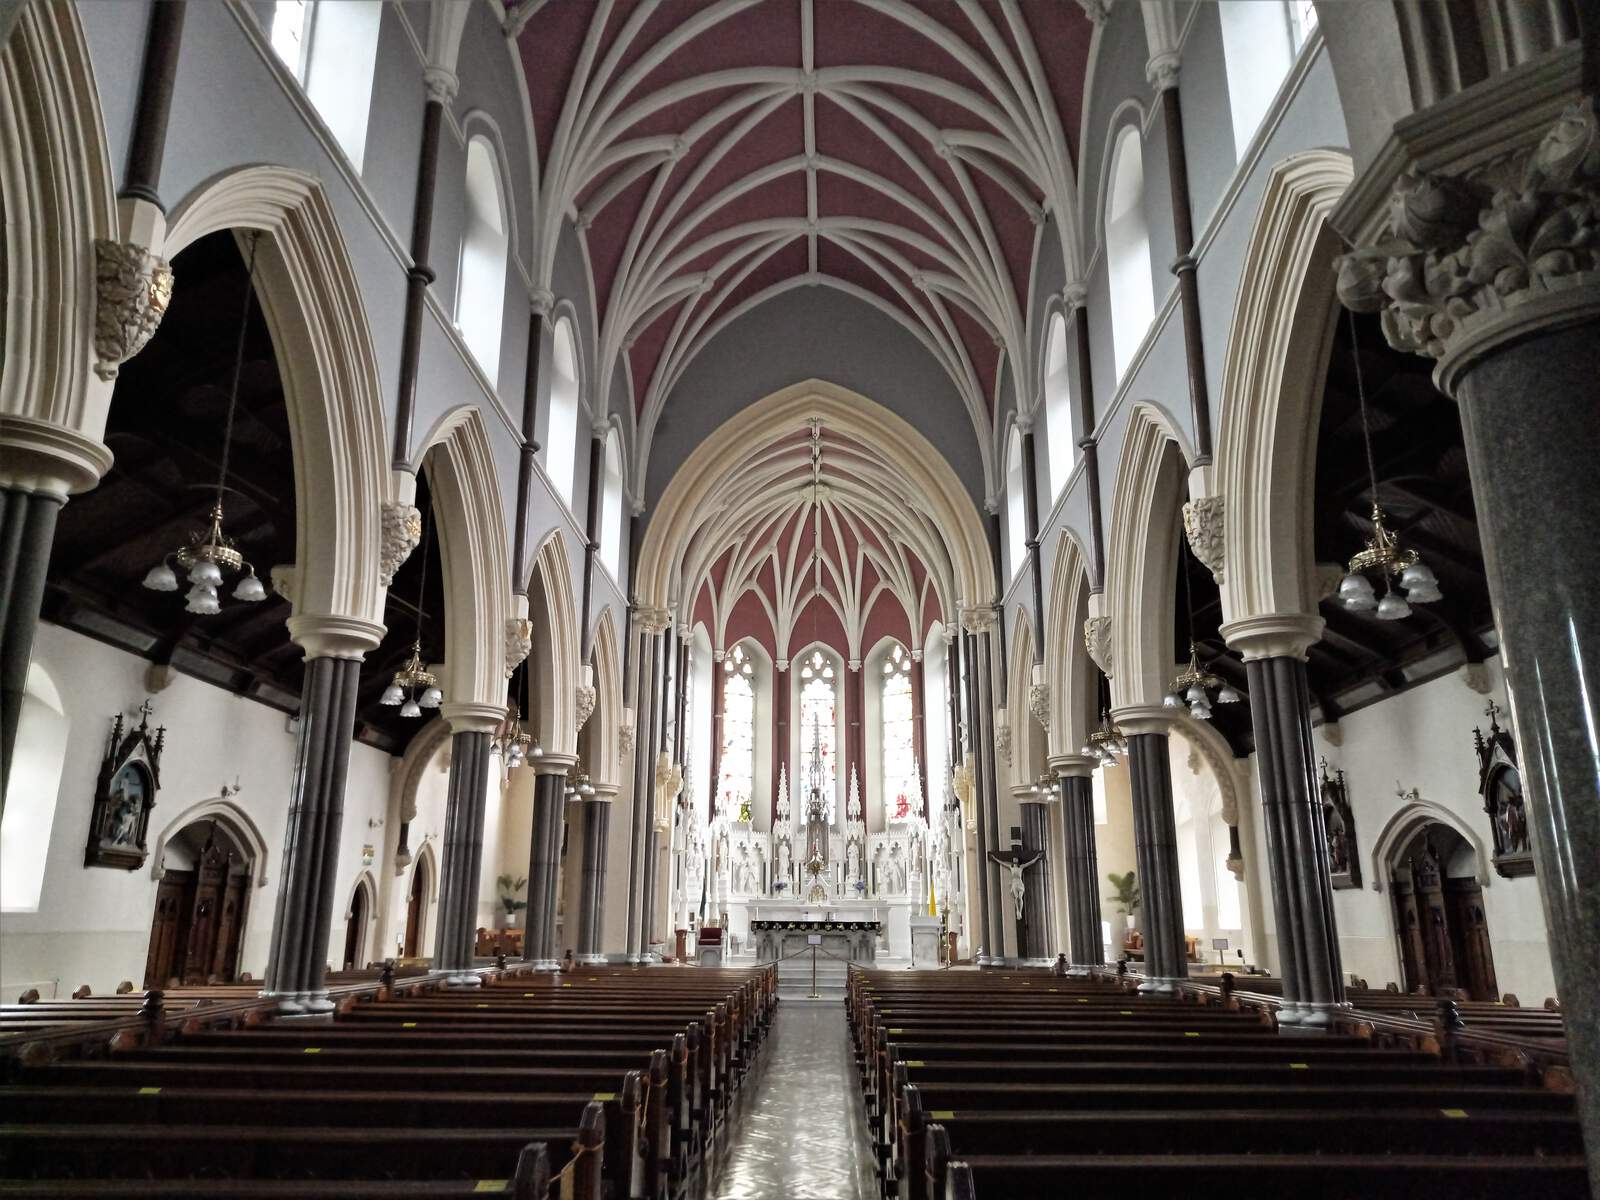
(802, 1133)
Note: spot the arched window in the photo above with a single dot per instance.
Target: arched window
(561, 435)
(611, 506)
(1016, 504)
(333, 51)
(902, 789)
(736, 769)
(41, 753)
(1058, 406)
(1133, 302)
(819, 730)
(1258, 46)
(481, 281)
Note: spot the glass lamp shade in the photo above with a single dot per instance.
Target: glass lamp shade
(1200, 710)
(1089, 751)
(205, 572)
(392, 695)
(1419, 574)
(203, 600)
(1393, 608)
(514, 756)
(1356, 592)
(1172, 700)
(432, 698)
(1227, 695)
(537, 751)
(586, 788)
(1421, 595)
(250, 589)
(1196, 694)
(410, 709)
(161, 578)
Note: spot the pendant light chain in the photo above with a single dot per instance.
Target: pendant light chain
(1361, 400)
(415, 674)
(238, 366)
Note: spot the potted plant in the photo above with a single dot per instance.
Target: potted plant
(510, 902)
(1125, 899)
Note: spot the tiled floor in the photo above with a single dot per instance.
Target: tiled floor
(802, 1133)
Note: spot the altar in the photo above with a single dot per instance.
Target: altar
(858, 932)
(850, 941)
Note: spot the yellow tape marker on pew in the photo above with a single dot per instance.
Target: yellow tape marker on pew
(482, 1006)
(1299, 1066)
(942, 1114)
(1055, 989)
(604, 1096)
(913, 1062)
(897, 1031)
(1454, 1112)
(1126, 1012)
(527, 995)
(312, 1050)
(1190, 1033)
(155, 1091)
(491, 1185)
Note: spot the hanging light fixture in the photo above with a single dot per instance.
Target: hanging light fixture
(511, 741)
(403, 689)
(1194, 684)
(211, 553)
(1106, 742)
(1384, 555)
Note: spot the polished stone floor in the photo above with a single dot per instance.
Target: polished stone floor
(801, 1132)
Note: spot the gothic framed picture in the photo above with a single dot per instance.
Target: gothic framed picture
(1339, 823)
(1500, 786)
(130, 777)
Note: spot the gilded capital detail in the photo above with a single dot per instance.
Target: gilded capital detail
(402, 530)
(132, 290)
(1466, 260)
(1097, 638)
(1202, 522)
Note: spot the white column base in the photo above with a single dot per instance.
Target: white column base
(463, 980)
(1158, 986)
(301, 1005)
(1290, 1014)
(591, 960)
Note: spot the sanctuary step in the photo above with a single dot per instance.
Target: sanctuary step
(794, 978)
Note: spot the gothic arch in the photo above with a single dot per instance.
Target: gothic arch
(1025, 731)
(1272, 381)
(232, 818)
(473, 552)
(1141, 559)
(605, 724)
(553, 663)
(311, 297)
(1069, 672)
(1403, 826)
(407, 776)
(57, 198)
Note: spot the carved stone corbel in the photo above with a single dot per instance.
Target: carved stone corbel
(1002, 738)
(1202, 522)
(401, 531)
(585, 703)
(518, 643)
(132, 290)
(1039, 703)
(1097, 639)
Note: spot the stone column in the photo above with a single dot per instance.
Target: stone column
(1155, 843)
(998, 892)
(461, 864)
(298, 958)
(591, 914)
(1083, 867)
(1036, 899)
(650, 841)
(1291, 808)
(980, 748)
(1483, 264)
(648, 623)
(27, 531)
(544, 863)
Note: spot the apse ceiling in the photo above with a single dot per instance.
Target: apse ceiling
(713, 152)
(814, 530)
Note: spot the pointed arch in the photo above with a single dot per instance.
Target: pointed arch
(244, 832)
(1272, 381)
(1026, 735)
(407, 776)
(57, 198)
(607, 719)
(554, 658)
(311, 297)
(1141, 559)
(1072, 675)
(474, 552)
(1401, 827)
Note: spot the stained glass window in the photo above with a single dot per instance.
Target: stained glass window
(736, 769)
(819, 729)
(901, 787)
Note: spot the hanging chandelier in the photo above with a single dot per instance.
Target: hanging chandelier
(511, 742)
(211, 553)
(1194, 684)
(1106, 742)
(403, 689)
(578, 786)
(1384, 555)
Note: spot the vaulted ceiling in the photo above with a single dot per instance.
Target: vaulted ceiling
(713, 152)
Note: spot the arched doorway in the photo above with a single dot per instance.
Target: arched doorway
(1439, 917)
(355, 928)
(416, 909)
(198, 926)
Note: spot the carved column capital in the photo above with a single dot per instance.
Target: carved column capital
(441, 83)
(1161, 72)
(1202, 522)
(1075, 296)
(1096, 10)
(1097, 639)
(402, 530)
(1469, 261)
(585, 703)
(132, 290)
(518, 643)
(653, 620)
(1273, 635)
(1039, 703)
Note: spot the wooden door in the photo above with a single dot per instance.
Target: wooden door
(169, 928)
(1408, 926)
(205, 915)
(354, 928)
(1470, 938)
(230, 927)
(416, 910)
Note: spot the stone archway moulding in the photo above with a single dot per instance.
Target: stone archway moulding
(473, 550)
(407, 774)
(606, 722)
(1404, 825)
(57, 198)
(312, 300)
(1272, 381)
(232, 818)
(553, 661)
(1071, 673)
(937, 489)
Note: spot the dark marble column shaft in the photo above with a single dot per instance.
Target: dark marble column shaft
(1297, 850)
(27, 531)
(463, 854)
(654, 736)
(1156, 852)
(591, 918)
(999, 893)
(544, 866)
(1036, 898)
(1083, 871)
(980, 748)
(297, 960)
(1532, 434)
(643, 778)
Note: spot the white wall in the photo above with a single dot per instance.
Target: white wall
(93, 924)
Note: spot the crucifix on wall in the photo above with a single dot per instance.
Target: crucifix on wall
(1017, 865)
